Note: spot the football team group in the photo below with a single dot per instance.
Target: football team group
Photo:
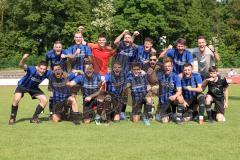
(177, 76)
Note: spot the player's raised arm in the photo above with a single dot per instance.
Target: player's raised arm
(23, 60)
(118, 39)
(163, 53)
(135, 34)
(205, 82)
(215, 54)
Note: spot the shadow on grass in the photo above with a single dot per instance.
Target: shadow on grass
(234, 98)
(28, 119)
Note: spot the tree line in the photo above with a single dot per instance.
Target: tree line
(33, 25)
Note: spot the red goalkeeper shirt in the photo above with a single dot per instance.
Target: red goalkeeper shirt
(101, 57)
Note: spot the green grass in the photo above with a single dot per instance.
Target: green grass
(125, 141)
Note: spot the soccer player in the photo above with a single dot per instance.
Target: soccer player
(54, 56)
(152, 69)
(101, 54)
(169, 93)
(30, 84)
(61, 95)
(217, 86)
(192, 93)
(78, 53)
(206, 56)
(115, 82)
(139, 88)
(179, 55)
(125, 50)
(125, 53)
(91, 84)
(143, 51)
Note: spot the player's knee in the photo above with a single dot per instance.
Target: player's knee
(44, 100)
(208, 100)
(117, 117)
(180, 99)
(220, 117)
(56, 118)
(136, 118)
(16, 99)
(15, 102)
(86, 121)
(72, 100)
(165, 119)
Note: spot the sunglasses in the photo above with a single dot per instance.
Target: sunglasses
(153, 59)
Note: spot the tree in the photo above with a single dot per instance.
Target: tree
(3, 8)
(145, 16)
(103, 17)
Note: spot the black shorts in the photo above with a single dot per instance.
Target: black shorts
(117, 104)
(75, 89)
(137, 106)
(59, 107)
(166, 109)
(219, 105)
(192, 102)
(88, 108)
(33, 92)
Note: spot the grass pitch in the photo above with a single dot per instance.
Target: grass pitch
(125, 141)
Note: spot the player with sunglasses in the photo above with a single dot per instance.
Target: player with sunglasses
(152, 69)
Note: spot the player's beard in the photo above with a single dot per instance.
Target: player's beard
(152, 64)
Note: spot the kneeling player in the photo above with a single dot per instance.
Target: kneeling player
(139, 88)
(217, 86)
(152, 69)
(115, 82)
(30, 84)
(90, 83)
(192, 93)
(169, 94)
(61, 95)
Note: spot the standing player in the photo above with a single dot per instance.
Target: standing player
(101, 54)
(179, 55)
(54, 56)
(115, 82)
(139, 87)
(206, 56)
(61, 95)
(192, 93)
(91, 84)
(78, 53)
(217, 86)
(30, 84)
(143, 51)
(169, 93)
(125, 50)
